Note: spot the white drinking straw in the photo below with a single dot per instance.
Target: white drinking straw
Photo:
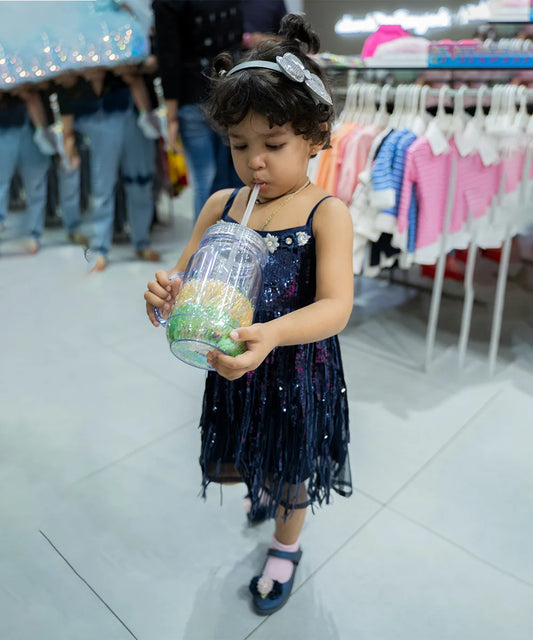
(250, 204)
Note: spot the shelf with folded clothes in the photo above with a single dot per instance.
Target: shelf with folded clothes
(505, 53)
(441, 60)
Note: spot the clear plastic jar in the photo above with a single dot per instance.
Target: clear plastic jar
(218, 293)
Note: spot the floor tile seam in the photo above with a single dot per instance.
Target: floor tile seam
(147, 370)
(381, 356)
(86, 583)
(342, 546)
(131, 453)
(459, 546)
(446, 445)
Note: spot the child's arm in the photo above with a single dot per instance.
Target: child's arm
(162, 292)
(137, 88)
(327, 316)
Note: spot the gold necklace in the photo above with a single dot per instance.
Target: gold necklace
(287, 198)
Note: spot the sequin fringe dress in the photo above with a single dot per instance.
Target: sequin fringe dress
(286, 423)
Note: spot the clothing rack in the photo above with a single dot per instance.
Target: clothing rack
(519, 95)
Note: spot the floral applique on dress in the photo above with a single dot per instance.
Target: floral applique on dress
(289, 240)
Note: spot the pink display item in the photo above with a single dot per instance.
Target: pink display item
(385, 33)
(408, 44)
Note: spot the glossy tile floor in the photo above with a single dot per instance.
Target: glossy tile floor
(104, 537)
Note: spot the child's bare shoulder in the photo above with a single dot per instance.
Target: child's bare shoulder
(331, 210)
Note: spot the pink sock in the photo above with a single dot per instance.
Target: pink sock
(277, 568)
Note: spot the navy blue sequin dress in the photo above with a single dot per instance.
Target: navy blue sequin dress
(286, 423)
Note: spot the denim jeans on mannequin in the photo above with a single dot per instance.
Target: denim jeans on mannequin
(115, 143)
(19, 152)
(137, 166)
(207, 156)
(69, 197)
(200, 146)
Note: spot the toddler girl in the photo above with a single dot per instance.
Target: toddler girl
(276, 417)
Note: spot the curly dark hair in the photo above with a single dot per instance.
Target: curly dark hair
(270, 93)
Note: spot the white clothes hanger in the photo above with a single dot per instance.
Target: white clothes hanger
(399, 99)
(522, 117)
(381, 118)
(442, 119)
(358, 106)
(351, 96)
(413, 93)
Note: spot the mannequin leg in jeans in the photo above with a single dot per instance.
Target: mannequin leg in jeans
(137, 165)
(9, 152)
(199, 143)
(226, 177)
(105, 132)
(33, 167)
(69, 197)
(69, 180)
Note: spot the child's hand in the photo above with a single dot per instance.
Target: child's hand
(161, 293)
(259, 343)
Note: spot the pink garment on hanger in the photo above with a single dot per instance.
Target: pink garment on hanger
(479, 182)
(513, 168)
(385, 33)
(428, 175)
(354, 161)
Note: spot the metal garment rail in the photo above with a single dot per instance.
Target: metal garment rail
(518, 95)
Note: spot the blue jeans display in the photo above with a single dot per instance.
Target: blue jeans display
(208, 159)
(20, 153)
(116, 143)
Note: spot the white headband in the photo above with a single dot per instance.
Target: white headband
(292, 67)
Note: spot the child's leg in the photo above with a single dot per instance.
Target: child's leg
(35, 108)
(288, 530)
(33, 167)
(139, 92)
(286, 538)
(147, 123)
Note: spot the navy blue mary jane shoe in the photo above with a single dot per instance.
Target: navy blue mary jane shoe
(264, 605)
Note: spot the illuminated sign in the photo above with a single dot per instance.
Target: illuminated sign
(418, 23)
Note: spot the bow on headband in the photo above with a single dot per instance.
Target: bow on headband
(291, 66)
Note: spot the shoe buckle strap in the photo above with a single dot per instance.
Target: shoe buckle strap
(293, 556)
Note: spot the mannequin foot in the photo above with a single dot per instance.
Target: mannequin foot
(148, 254)
(100, 264)
(78, 238)
(45, 141)
(32, 246)
(149, 125)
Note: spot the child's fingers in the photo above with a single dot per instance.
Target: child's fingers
(232, 367)
(158, 300)
(159, 290)
(175, 285)
(151, 315)
(162, 278)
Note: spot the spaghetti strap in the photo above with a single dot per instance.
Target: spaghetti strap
(229, 203)
(310, 218)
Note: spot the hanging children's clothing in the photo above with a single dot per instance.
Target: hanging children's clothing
(465, 178)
